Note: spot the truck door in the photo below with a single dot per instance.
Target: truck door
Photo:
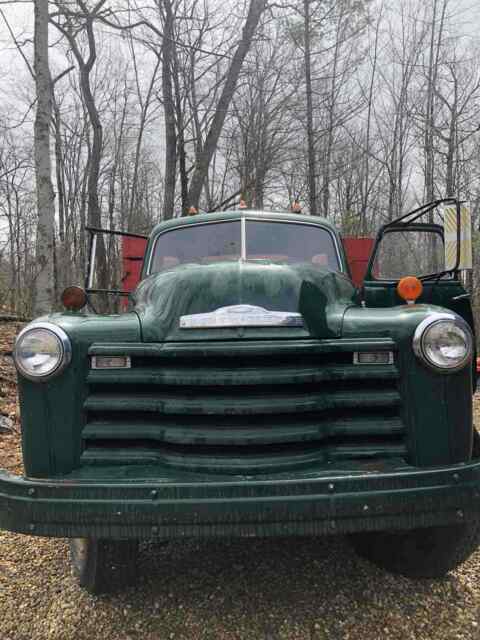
(436, 252)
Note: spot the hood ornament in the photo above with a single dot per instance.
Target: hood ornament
(241, 315)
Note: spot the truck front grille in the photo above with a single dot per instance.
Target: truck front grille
(237, 412)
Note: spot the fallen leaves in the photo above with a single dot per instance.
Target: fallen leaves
(10, 441)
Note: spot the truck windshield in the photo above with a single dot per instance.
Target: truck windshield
(280, 242)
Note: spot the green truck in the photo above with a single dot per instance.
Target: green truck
(252, 390)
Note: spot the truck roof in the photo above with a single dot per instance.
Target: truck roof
(237, 214)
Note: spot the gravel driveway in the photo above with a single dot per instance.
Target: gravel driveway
(255, 589)
(308, 589)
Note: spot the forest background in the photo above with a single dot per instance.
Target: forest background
(359, 109)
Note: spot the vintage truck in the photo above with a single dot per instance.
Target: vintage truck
(252, 390)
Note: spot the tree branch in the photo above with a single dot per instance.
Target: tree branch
(17, 44)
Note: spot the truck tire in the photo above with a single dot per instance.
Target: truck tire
(103, 566)
(421, 553)
(476, 444)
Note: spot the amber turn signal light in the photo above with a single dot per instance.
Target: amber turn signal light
(74, 298)
(409, 289)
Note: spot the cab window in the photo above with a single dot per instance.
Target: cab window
(415, 251)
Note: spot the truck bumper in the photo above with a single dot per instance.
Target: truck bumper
(347, 502)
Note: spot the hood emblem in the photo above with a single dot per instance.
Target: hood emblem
(241, 315)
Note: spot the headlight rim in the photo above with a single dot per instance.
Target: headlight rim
(65, 344)
(421, 331)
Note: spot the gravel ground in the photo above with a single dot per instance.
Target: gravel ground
(308, 589)
(247, 589)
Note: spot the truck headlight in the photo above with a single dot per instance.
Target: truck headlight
(42, 350)
(443, 342)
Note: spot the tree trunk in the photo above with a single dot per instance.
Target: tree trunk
(452, 145)
(366, 165)
(331, 124)
(133, 208)
(44, 282)
(169, 109)
(312, 187)
(180, 122)
(204, 158)
(430, 115)
(94, 216)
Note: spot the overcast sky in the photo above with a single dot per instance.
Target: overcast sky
(15, 81)
(466, 14)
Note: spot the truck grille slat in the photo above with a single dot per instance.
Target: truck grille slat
(215, 461)
(254, 407)
(237, 375)
(184, 431)
(244, 404)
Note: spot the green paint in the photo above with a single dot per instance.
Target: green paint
(320, 295)
(244, 430)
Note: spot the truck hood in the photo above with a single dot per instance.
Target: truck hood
(319, 295)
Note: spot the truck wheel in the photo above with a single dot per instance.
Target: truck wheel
(102, 566)
(476, 443)
(421, 553)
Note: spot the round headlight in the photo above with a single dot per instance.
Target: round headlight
(444, 342)
(42, 350)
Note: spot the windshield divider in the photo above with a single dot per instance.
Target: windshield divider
(243, 240)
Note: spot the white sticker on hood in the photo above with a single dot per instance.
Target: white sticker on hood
(241, 315)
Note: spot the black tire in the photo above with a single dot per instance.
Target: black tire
(104, 566)
(476, 444)
(421, 553)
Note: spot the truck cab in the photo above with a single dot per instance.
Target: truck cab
(252, 390)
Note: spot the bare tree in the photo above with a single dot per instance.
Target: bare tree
(260, 130)
(204, 156)
(181, 102)
(145, 103)
(167, 55)
(72, 24)
(44, 283)
(367, 184)
(436, 38)
(458, 97)
(341, 103)
(312, 165)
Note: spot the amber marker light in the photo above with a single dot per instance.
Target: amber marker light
(410, 289)
(74, 298)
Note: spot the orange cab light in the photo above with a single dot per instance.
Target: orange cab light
(409, 289)
(74, 298)
(296, 207)
(192, 211)
(242, 204)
